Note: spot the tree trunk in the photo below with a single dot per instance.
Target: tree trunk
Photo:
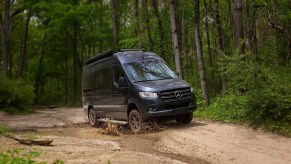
(199, 52)
(38, 79)
(238, 27)
(285, 33)
(251, 35)
(75, 63)
(115, 22)
(147, 23)
(23, 46)
(136, 14)
(175, 40)
(5, 28)
(210, 55)
(161, 29)
(101, 24)
(219, 43)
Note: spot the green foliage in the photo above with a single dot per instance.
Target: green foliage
(4, 130)
(16, 156)
(15, 95)
(57, 161)
(258, 94)
(227, 108)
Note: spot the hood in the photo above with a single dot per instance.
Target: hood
(161, 85)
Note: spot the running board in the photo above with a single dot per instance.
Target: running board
(113, 121)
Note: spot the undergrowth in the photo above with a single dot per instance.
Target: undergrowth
(257, 95)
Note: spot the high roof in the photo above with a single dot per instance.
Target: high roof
(125, 56)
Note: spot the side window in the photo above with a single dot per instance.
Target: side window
(102, 81)
(117, 72)
(88, 78)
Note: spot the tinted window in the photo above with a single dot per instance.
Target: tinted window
(103, 80)
(149, 71)
(117, 72)
(88, 80)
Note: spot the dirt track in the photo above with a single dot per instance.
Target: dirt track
(200, 142)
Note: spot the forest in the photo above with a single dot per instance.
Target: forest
(235, 53)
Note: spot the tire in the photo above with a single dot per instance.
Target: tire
(135, 121)
(93, 118)
(184, 119)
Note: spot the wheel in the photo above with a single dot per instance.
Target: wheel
(184, 119)
(93, 118)
(135, 121)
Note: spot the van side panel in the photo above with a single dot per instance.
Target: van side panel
(88, 87)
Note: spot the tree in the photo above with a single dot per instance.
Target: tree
(219, 43)
(252, 41)
(175, 39)
(147, 27)
(210, 54)
(115, 21)
(237, 25)
(5, 28)
(160, 25)
(200, 59)
(22, 54)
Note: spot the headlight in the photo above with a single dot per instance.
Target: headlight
(191, 88)
(148, 95)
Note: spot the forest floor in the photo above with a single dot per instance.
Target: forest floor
(199, 142)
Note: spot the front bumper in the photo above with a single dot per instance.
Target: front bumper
(168, 112)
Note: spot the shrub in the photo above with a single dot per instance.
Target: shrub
(16, 156)
(15, 95)
(257, 94)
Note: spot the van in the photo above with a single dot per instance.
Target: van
(134, 86)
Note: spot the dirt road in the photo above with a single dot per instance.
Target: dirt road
(200, 142)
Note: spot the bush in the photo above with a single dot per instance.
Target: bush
(16, 156)
(15, 95)
(259, 95)
(227, 108)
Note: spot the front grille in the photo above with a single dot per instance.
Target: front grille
(176, 97)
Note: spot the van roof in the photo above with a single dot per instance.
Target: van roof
(125, 56)
(136, 56)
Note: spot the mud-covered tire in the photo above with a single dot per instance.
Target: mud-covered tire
(93, 118)
(135, 121)
(185, 118)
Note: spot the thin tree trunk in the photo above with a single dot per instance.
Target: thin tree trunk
(115, 22)
(136, 14)
(5, 28)
(23, 46)
(200, 52)
(38, 79)
(219, 43)
(285, 33)
(252, 35)
(210, 55)
(175, 39)
(66, 71)
(238, 27)
(147, 23)
(100, 23)
(161, 29)
(75, 63)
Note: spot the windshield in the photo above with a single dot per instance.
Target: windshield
(149, 71)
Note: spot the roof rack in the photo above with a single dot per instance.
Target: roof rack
(98, 57)
(134, 49)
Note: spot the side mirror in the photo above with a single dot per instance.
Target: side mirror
(122, 82)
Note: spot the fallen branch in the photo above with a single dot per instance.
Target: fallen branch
(43, 142)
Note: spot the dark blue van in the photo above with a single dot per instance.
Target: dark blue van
(134, 86)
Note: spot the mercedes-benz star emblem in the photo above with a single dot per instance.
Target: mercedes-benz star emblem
(178, 94)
